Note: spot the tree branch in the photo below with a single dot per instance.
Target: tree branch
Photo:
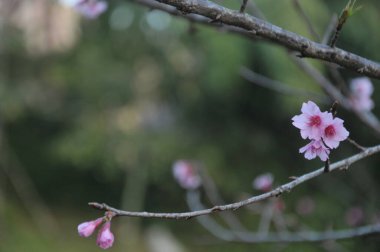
(280, 87)
(343, 164)
(273, 33)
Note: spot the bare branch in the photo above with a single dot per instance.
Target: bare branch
(193, 201)
(343, 164)
(279, 86)
(330, 29)
(276, 34)
(307, 20)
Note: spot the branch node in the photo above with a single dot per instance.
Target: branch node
(215, 209)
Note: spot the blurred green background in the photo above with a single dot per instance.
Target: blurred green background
(98, 110)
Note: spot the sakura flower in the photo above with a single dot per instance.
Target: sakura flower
(263, 182)
(361, 91)
(186, 175)
(334, 132)
(311, 122)
(91, 8)
(86, 229)
(105, 237)
(315, 148)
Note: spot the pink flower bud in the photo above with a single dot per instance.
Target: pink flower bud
(314, 149)
(263, 182)
(91, 8)
(361, 91)
(86, 229)
(105, 237)
(186, 175)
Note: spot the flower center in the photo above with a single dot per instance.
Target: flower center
(315, 121)
(330, 131)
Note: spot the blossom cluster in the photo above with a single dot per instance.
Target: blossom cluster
(186, 175)
(361, 91)
(88, 8)
(323, 129)
(105, 237)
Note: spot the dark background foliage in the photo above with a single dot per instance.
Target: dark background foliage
(103, 117)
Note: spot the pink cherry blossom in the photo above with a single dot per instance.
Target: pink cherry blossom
(105, 237)
(361, 86)
(361, 91)
(186, 175)
(311, 122)
(86, 229)
(334, 132)
(91, 8)
(263, 182)
(315, 148)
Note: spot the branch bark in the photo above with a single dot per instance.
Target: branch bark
(343, 164)
(268, 31)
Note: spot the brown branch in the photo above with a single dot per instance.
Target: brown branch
(343, 164)
(276, 34)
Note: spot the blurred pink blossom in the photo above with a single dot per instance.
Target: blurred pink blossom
(354, 216)
(315, 148)
(88, 8)
(311, 122)
(91, 8)
(105, 237)
(86, 229)
(263, 182)
(186, 175)
(361, 91)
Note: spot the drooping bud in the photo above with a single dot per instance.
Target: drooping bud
(86, 229)
(105, 237)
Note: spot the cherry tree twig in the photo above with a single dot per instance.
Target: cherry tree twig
(280, 87)
(330, 29)
(275, 34)
(263, 236)
(308, 22)
(343, 164)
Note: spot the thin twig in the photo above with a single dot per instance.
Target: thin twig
(193, 200)
(214, 197)
(280, 87)
(243, 6)
(354, 143)
(307, 20)
(330, 29)
(234, 206)
(346, 13)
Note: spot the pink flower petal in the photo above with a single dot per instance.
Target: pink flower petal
(105, 237)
